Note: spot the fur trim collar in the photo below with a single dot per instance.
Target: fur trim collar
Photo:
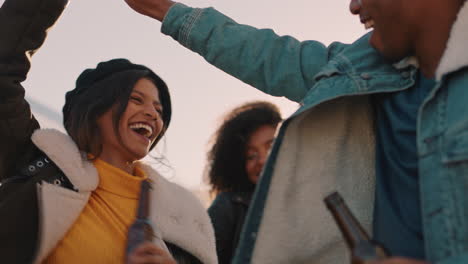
(184, 220)
(63, 151)
(178, 214)
(455, 56)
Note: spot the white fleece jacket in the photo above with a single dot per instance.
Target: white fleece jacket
(180, 216)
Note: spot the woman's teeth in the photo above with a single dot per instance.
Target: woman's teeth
(147, 128)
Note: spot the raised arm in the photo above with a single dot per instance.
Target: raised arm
(280, 66)
(23, 26)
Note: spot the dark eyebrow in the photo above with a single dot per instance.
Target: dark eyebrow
(144, 95)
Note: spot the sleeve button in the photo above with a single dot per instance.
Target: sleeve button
(366, 76)
(405, 75)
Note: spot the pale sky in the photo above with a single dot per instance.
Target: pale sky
(91, 31)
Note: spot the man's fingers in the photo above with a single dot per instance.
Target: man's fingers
(148, 252)
(147, 259)
(148, 248)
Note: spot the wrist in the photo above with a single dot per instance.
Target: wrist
(161, 10)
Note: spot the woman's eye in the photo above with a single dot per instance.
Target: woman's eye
(252, 156)
(159, 110)
(137, 99)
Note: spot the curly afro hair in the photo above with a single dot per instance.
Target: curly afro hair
(226, 158)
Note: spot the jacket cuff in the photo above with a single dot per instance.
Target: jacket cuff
(179, 21)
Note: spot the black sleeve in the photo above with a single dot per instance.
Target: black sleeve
(222, 216)
(23, 27)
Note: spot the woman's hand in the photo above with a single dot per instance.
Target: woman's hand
(399, 260)
(149, 253)
(156, 9)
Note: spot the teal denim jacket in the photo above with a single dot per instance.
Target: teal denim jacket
(312, 74)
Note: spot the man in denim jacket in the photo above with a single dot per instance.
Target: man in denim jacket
(383, 120)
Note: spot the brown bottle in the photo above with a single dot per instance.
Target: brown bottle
(142, 230)
(363, 249)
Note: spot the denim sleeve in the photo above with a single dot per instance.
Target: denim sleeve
(277, 65)
(463, 258)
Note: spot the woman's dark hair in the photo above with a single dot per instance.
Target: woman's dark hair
(97, 90)
(226, 157)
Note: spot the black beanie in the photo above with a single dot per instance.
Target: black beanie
(91, 78)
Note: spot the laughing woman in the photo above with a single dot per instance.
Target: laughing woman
(71, 198)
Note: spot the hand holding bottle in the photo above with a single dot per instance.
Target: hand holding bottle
(363, 249)
(149, 253)
(145, 244)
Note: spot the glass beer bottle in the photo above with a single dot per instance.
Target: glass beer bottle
(142, 230)
(363, 249)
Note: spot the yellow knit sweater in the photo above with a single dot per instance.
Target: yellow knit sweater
(99, 234)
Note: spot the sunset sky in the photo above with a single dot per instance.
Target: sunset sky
(91, 31)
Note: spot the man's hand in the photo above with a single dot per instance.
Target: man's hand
(149, 253)
(399, 260)
(156, 9)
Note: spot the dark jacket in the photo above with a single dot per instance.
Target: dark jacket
(23, 26)
(24, 167)
(228, 212)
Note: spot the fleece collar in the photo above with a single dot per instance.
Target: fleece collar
(60, 148)
(455, 56)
